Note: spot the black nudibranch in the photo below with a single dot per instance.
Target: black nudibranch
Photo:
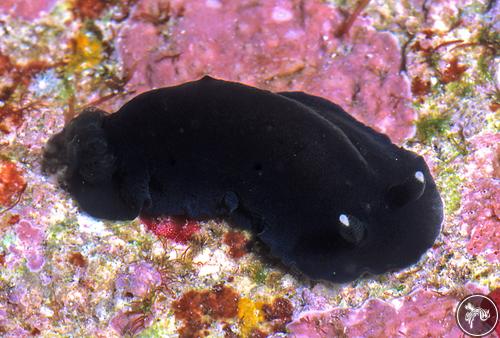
(328, 195)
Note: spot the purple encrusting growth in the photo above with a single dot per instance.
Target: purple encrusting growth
(276, 45)
(25, 300)
(140, 280)
(481, 198)
(423, 313)
(29, 246)
(123, 322)
(140, 283)
(26, 9)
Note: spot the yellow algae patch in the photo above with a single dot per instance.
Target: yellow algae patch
(250, 315)
(88, 51)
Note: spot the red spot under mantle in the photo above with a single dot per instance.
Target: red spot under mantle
(178, 229)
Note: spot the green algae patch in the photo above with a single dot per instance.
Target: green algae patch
(493, 121)
(8, 239)
(463, 88)
(431, 126)
(484, 67)
(160, 328)
(259, 274)
(450, 182)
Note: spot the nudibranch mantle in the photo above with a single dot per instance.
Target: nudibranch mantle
(328, 195)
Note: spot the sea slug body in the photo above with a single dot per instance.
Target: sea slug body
(328, 195)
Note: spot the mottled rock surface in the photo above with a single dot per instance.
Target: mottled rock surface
(429, 66)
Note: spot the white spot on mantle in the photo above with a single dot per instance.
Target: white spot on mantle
(344, 219)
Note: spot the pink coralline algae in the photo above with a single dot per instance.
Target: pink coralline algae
(421, 314)
(139, 281)
(481, 198)
(130, 322)
(29, 246)
(26, 9)
(24, 300)
(278, 45)
(28, 234)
